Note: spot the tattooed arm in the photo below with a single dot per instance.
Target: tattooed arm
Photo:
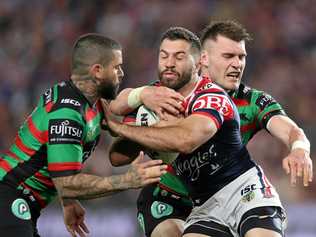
(86, 186)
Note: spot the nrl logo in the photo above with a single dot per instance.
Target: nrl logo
(248, 197)
(248, 193)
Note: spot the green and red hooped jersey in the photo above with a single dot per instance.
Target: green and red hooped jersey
(255, 109)
(54, 141)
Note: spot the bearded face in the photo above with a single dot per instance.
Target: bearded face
(110, 77)
(175, 80)
(108, 89)
(176, 63)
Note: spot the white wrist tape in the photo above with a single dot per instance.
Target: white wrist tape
(300, 144)
(133, 99)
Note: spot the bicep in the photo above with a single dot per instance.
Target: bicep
(201, 127)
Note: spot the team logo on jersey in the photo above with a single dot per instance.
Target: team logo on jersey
(161, 209)
(213, 101)
(93, 129)
(64, 131)
(70, 101)
(21, 209)
(264, 100)
(207, 86)
(248, 193)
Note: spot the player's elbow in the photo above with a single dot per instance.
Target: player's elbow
(117, 159)
(186, 145)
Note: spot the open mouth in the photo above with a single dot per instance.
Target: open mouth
(233, 75)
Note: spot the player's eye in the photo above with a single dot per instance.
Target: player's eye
(163, 55)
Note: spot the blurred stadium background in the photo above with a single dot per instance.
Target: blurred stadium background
(36, 37)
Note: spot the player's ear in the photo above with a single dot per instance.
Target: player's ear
(96, 70)
(204, 63)
(204, 59)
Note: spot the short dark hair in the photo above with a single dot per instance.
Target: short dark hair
(180, 33)
(90, 49)
(230, 29)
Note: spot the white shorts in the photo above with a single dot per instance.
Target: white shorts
(227, 206)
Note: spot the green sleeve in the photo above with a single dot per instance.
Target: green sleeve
(65, 138)
(266, 107)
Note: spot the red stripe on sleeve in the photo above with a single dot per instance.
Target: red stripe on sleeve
(39, 135)
(64, 166)
(5, 165)
(14, 156)
(45, 180)
(23, 147)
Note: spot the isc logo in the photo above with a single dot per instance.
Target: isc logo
(248, 189)
(70, 101)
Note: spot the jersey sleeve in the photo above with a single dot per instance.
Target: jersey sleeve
(213, 104)
(64, 147)
(267, 107)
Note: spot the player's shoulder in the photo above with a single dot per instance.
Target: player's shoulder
(206, 85)
(64, 95)
(256, 97)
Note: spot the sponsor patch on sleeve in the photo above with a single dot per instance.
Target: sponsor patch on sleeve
(64, 131)
(213, 101)
(264, 100)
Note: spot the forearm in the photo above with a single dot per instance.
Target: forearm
(297, 134)
(158, 138)
(286, 130)
(184, 136)
(119, 106)
(85, 186)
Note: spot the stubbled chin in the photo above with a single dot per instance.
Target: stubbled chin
(232, 86)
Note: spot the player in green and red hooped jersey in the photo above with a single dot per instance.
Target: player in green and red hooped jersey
(47, 156)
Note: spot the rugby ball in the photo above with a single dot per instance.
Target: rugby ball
(147, 117)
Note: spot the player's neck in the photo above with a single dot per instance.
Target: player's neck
(87, 86)
(189, 87)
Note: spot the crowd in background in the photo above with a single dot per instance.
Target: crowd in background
(36, 37)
